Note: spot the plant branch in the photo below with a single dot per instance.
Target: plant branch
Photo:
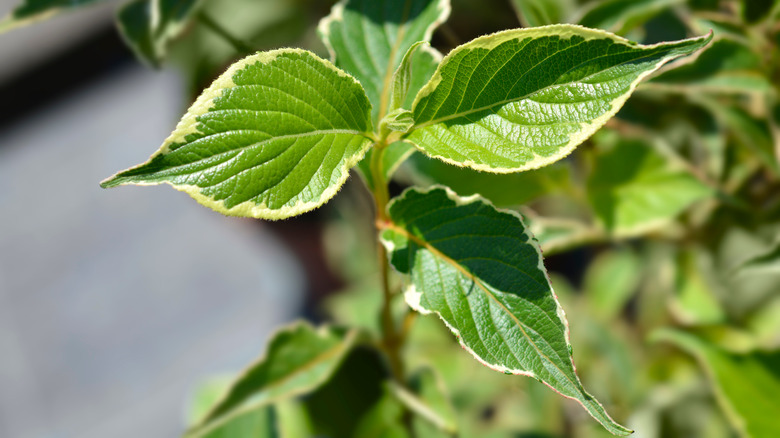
(218, 29)
(391, 341)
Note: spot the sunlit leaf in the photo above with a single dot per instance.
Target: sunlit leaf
(273, 137)
(368, 39)
(481, 271)
(522, 99)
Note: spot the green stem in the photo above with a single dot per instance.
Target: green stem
(218, 29)
(391, 340)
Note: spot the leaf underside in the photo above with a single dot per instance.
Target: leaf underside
(273, 137)
(481, 271)
(522, 99)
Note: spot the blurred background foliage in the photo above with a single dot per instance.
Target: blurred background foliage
(662, 232)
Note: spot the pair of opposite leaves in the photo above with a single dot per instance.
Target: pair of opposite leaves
(278, 132)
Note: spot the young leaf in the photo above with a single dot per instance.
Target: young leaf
(273, 137)
(746, 385)
(421, 65)
(522, 99)
(481, 271)
(368, 38)
(633, 189)
(298, 360)
(30, 11)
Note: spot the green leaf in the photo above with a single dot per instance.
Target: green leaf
(428, 399)
(147, 26)
(507, 190)
(611, 281)
(746, 385)
(30, 11)
(259, 422)
(560, 234)
(298, 359)
(727, 66)
(368, 38)
(422, 63)
(621, 16)
(633, 189)
(522, 99)
(481, 271)
(273, 137)
(694, 302)
(534, 13)
(134, 21)
(343, 406)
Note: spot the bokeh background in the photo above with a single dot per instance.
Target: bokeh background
(115, 305)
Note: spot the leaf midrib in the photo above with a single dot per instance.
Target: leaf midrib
(389, 69)
(394, 227)
(526, 96)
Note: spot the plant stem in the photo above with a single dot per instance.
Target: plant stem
(391, 340)
(218, 29)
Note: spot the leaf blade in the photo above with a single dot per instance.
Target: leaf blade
(368, 38)
(539, 93)
(31, 11)
(298, 360)
(497, 301)
(264, 141)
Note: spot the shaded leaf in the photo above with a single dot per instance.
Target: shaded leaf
(533, 13)
(727, 66)
(428, 399)
(746, 385)
(694, 302)
(273, 137)
(298, 360)
(621, 16)
(502, 190)
(522, 99)
(633, 189)
(481, 271)
(610, 281)
(30, 11)
(340, 407)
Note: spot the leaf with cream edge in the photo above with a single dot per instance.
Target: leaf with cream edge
(415, 70)
(31, 11)
(273, 137)
(147, 26)
(522, 99)
(368, 39)
(481, 271)
(298, 360)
